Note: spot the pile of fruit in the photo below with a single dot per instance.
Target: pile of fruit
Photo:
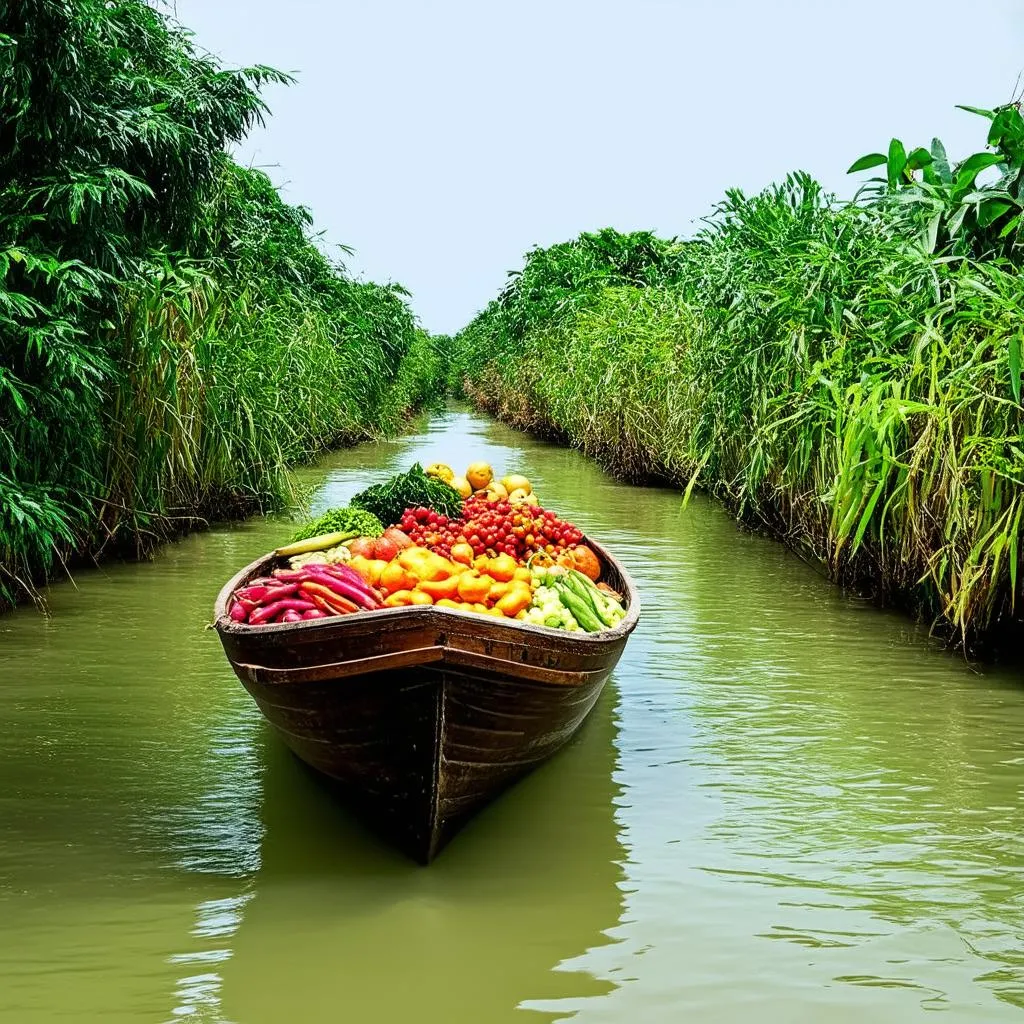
(467, 543)
(492, 527)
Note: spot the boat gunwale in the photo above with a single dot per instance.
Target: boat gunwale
(428, 614)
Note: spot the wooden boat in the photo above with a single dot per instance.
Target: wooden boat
(422, 715)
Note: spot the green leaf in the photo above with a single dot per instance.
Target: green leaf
(1014, 534)
(1014, 358)
(940, 162)
(1001, 125)
(866, 162)
(957, 220)
(919, 158)
(973, 166)
(991, 211)
(1010, 225)
(982, 195)
(990, 114)
(16, 396)
(693, 479)
(896, 162)
(869, 509)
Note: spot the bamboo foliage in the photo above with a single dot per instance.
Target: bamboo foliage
(171, 335)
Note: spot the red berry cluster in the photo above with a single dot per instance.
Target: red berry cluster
(517, 530)
(430, 529)
(488, 528)
(491, 527)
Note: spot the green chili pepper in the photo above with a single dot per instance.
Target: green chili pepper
(583, 594)
(606, 609)
(580, 609)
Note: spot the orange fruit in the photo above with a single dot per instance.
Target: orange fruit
(438, 589)
(462, 553)
(462, 485)
(395, 576)
(479, 475)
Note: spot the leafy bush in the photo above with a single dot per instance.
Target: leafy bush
(171, 336)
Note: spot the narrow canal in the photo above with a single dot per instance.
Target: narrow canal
(788, 806)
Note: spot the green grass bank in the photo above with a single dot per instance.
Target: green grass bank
(172, 337)
(845, 377)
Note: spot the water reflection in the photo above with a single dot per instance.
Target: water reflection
(859, 792)
(913, 822)
(353, 925)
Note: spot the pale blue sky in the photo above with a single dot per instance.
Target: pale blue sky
(442, 140)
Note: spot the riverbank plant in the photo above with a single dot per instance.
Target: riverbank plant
(171, 335)
(846, 376)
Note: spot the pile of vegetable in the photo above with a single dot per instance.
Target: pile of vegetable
(313, 592)
(389, 500)
(355, 522)
(468, 543)
(568, 599)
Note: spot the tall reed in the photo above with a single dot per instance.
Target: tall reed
(830, 380)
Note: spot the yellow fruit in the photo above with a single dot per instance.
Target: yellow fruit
(516, 483)
(518, 496)
(531, 499)
(515, 601)
(441, 471)
(495, 492)
(462, 554)
(462, 485)
(479, 475)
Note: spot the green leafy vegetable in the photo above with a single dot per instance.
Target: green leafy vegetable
(342, 520)
(414, 489)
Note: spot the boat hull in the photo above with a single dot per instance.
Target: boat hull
(421, 715)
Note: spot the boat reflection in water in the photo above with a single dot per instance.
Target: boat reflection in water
(343, 926)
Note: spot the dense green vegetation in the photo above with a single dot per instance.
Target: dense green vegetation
(845, 375)
(171, 337)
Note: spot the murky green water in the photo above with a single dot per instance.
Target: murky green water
(787, 807)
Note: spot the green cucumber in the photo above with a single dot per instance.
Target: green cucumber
(321, 543)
